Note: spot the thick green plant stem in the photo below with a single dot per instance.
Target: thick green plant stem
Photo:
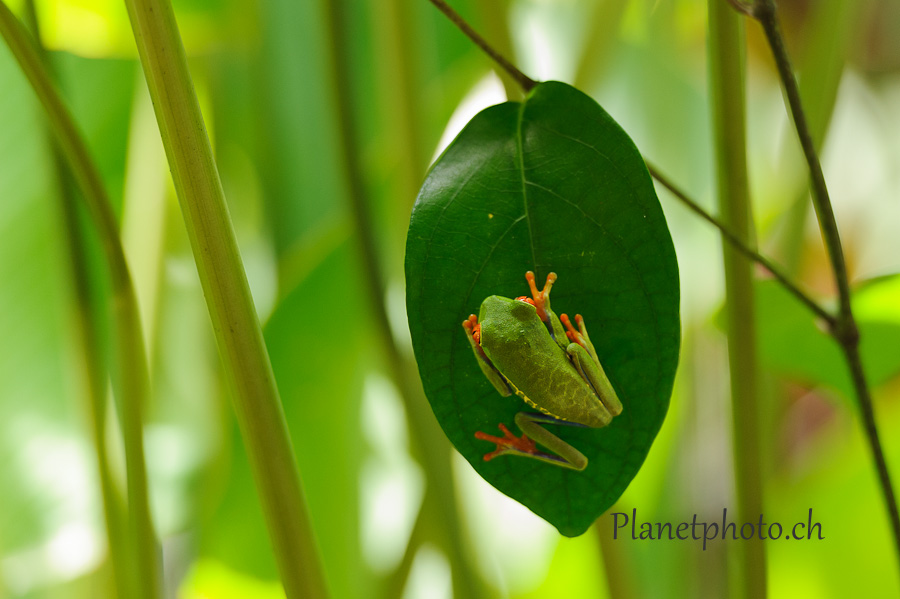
(844, 330)
(429, 444)
(401, 95)
(131, 377)
(93, 365)
(726, 76)
(617, 568)
(235, 322)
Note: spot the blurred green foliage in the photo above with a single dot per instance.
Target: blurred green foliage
(259, 70)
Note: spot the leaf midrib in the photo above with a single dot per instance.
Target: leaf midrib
(520, 151)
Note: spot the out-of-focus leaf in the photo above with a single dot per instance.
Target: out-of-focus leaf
(602, 29)
(836, 472)
(439, 54)
(212, 579)
(297, 149)
(49, 471)
(879, 300)
(99, 92)
(549, 185)
(574, 571)
(793, 344)
(101, 29)
(832, 28)
(46, 473)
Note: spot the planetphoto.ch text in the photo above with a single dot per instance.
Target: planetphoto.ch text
(623, 524)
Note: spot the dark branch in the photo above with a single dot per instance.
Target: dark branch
(524, 81)
(738, 244)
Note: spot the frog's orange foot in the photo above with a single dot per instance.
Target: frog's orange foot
(508, 443)
(573, 335)
(473, 328)
(541, 299)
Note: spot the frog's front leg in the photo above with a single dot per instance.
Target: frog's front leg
(473, 333)
(530, 425)
(584, 357)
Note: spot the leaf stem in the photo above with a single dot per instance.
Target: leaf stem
(439, 500)
(744, 248)
(844, 329)
(238, 334)
(132, 376)
(521, 78)
(727, 105)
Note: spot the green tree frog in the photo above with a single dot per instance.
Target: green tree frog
(525, 349)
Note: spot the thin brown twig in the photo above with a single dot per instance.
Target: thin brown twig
(844, 328)
(764, 12)
(521, 78)
(745, 249)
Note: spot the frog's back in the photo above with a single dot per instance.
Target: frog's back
(519, 345)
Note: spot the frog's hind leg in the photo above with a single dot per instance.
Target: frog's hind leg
(579, 335)
(564, 454)
(584, 357)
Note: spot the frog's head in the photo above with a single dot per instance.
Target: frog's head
(506, 321)
(502, 309)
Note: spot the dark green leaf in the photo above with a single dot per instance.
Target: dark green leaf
(551, 184)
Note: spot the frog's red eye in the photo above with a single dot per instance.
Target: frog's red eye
(526, 299)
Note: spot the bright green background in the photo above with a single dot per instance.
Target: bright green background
(259, 68)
